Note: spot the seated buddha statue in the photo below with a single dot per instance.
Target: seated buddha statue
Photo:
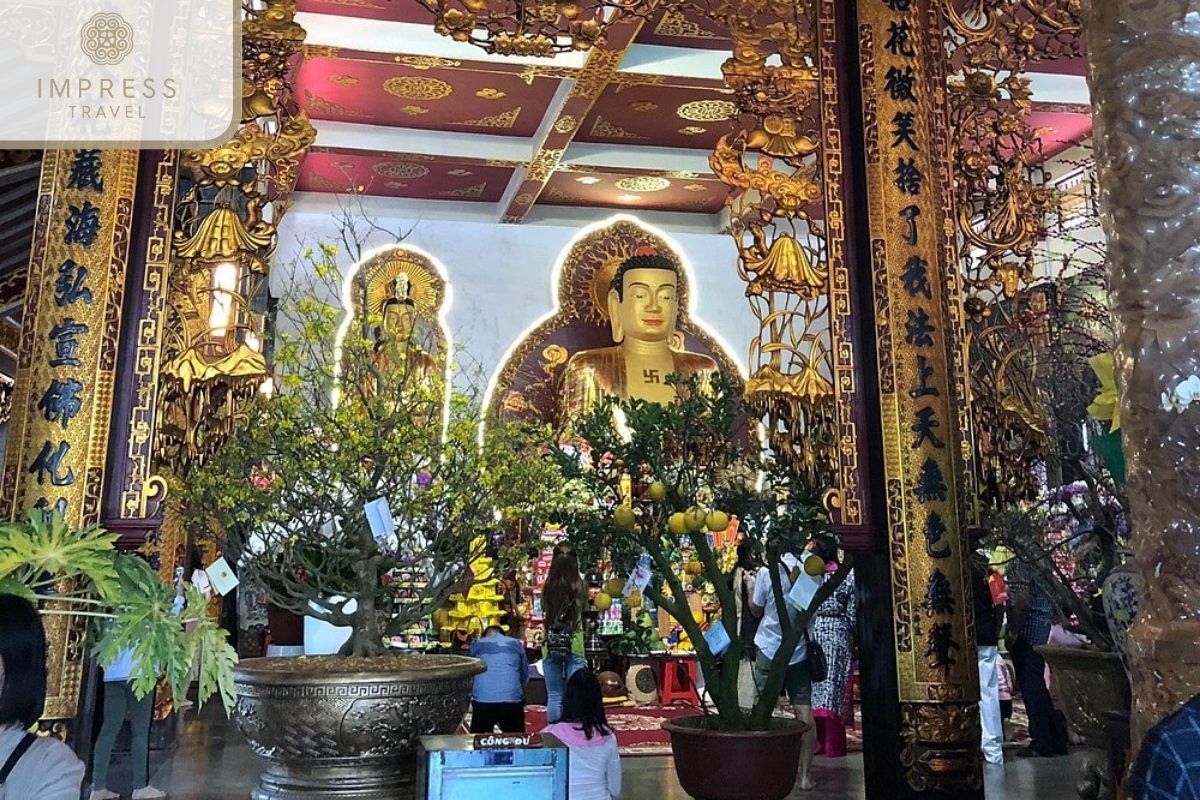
(643, 309)
(396, 348)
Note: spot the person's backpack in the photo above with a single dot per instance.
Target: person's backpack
(560, 634)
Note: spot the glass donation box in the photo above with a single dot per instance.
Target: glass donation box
(492, 767)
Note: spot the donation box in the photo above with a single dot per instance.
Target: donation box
(492, 767)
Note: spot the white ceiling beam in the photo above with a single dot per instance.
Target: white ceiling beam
(638, 157)
(561, 95)
(393, 208)
(574, 216)
(410, 38)
(359, 136)
(678, 62)
(1048, 88)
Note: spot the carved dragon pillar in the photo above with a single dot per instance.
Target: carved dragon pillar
(1147, 112)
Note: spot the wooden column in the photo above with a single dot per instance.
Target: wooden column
(66, 371)
(920, 676)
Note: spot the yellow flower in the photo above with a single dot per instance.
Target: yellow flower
(1106, 405)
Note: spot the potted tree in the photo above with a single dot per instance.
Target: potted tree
(78, 572)
(358, 418)
(663, 479)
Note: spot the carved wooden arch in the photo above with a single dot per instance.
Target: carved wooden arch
(527, 382)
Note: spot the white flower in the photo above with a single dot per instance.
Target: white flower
(1169, 401)
(1189, 390)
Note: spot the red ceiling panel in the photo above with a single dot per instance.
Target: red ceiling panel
(689, 28)
(1061, 130)
(659, 114)
(402, 175)
(702, 194)
(407, 92)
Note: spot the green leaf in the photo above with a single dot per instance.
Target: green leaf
(10, 585)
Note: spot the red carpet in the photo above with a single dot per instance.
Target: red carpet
(639, 730)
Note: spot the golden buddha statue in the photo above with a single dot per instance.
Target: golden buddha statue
(396, 345)
(643, 309)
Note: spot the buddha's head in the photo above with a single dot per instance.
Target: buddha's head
(643, 302)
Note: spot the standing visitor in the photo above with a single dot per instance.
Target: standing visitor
(594, 763)
(744, 575)
(797, 682)
(987, 644)
(1030, 610)
(564, 599)
(499, 694)
(31, 766)
(832, 628)
(120, 702)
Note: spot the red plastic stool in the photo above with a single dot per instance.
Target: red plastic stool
(679, 681)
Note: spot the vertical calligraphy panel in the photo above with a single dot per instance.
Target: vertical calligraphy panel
(920, 378)
(58, 439)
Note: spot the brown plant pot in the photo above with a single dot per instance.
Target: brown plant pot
(746, 765)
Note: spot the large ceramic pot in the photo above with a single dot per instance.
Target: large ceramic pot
(721, 765)
(1093, 689)
(338, 727)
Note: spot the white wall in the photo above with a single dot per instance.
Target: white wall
(501, 275)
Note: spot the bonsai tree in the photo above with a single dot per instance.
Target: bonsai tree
(355, 418)
(80, 573)
(661, 479)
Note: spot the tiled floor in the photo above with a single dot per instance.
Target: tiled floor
(212, 762)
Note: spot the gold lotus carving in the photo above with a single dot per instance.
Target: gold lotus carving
(489, 93)
(343, 80)
(708, 110)
(565, 124)
(427, 62)
(693, 130)
(644, 106)
(643, 183)
(417, 87)
(400, 169)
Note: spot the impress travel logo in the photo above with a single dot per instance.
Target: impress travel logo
(106, 39)
(119, 73)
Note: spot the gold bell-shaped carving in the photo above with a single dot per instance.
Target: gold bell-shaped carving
(787, 267)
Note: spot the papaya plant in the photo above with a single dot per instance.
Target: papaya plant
(78, 572)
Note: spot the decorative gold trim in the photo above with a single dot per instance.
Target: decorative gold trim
(505, 119)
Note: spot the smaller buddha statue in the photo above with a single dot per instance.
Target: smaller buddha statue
(643, 310)
(396, 348)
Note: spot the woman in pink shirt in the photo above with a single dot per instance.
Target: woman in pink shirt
(595, 765)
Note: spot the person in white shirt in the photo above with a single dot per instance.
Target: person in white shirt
(797, 682)
(595, 765)
(31, 766)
